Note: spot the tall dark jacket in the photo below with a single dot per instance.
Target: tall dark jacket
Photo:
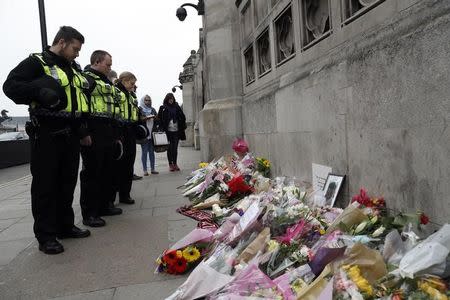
(164, 119)
(18, 88)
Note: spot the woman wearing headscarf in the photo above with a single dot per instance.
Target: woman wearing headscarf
(173, 122)
(148, 115)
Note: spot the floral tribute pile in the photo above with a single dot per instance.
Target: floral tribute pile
(272, 241)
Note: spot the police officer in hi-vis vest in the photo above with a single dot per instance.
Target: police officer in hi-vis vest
(53, 86)
(130, 117)
(96, 174)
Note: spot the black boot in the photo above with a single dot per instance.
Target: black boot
(111, 210)
(74, 233)
(51, 247)
(94, 222)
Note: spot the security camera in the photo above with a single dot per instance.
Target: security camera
(181, 13)
(174, 90)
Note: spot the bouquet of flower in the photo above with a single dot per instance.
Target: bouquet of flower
(251, 282)
(263, 166)
(186, 253)
(293, 281)
(179, 261)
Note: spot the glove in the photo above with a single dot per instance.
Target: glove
(48, 98)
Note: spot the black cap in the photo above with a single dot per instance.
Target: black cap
(49, 82)
(141, 132)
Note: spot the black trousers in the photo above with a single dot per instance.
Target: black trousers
(96, 175)
(172, 151)
(124, 167)
(54, 166)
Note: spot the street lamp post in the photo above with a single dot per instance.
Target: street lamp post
(43, 25)
(177, 86)
(182, 13)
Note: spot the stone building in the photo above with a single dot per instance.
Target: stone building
(362, 86)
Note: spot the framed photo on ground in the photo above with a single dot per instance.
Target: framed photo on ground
(332, 187)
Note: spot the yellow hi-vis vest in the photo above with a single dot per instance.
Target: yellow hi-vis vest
(103, 98)
(79, 83)
(129, 108)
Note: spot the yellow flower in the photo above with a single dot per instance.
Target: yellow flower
(355, 275)
(191, 254)
(322, 231)
(272, 245)
(434, 293)
(203, 165)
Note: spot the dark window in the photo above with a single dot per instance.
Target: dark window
(263, 49)
(352, 9)
(249, 65)
(316, 21)
(284, 36)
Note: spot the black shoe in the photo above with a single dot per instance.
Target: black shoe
(127, 200)
(74, 233)
(51, 247)
(110, 211)
(94, 222)
(136, 177)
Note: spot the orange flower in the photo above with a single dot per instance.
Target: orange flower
(180, 266)
(170, 257)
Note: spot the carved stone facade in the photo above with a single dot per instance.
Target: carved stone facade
(358, 85)
(190, 109)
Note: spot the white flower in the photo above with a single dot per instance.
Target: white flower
(379, 231)
(304, 251)
(224, 187)
(296, 210)
(217, 211)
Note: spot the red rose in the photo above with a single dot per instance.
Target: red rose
(424, 220)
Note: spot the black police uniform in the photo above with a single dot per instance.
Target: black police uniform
(97, 168)
(124, 173)
(55, 144)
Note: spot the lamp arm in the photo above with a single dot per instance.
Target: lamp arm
(191, 5)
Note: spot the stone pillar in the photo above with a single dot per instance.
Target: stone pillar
(220, 121)
(189, 102)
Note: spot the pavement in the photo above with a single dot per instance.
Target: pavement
(116, 261)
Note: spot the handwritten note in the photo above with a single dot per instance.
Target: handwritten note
(319, 176)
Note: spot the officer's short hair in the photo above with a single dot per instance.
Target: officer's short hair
(68, 33)
(98, 56)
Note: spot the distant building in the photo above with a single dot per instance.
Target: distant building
(362, 86)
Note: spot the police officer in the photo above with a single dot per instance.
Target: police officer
(130, 117)
(53, 86)
(96, 175)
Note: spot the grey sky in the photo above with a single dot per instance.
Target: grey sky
(143, 36)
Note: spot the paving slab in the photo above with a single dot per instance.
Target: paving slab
(17, 231)
(162, 201)
(152, 290)
(179, 228)
(95, 295)
(10, 249)
(169, 211)
(6, 223)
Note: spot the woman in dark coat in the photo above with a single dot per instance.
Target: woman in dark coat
(173, 122)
